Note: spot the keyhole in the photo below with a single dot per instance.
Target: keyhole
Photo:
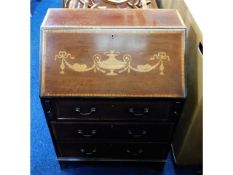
(112, 36)
(201, 48)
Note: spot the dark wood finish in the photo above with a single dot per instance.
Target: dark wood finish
(113, 86)
(129, 150)
(106, 109)
(83, 58)
(160, 132)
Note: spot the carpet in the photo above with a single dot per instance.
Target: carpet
(43, 157)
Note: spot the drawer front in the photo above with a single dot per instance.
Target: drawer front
(113, 110)
(132, 150)
(90, 150)
(70, 131)
(160, 132)
(138, 111)
(77, 110)
(140, 150)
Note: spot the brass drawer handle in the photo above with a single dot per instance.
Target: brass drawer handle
(92, 110)
(135, 153)
(131, 133)
(145, 111)
(92, 133)
(93, 151)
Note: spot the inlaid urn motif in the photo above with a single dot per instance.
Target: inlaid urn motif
(111, 63)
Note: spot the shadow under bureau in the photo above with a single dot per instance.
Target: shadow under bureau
(112, 83)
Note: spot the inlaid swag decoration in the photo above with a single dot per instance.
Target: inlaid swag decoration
(110, 64)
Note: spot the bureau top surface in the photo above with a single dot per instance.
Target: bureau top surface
(156, 18)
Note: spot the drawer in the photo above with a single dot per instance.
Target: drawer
(81, 130)
(89, 149)
(159, 132)
(129, 150)
(115, 130)
(139, 110)
(77, 110)
(87, 109)
(136, 150)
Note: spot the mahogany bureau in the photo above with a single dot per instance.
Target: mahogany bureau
(112, 83)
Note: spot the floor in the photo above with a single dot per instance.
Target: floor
(43, 157)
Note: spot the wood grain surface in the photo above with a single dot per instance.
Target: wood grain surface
(156, 18)
(113, 62)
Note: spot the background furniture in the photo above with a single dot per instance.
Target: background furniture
(102, 4)
(187, 141)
